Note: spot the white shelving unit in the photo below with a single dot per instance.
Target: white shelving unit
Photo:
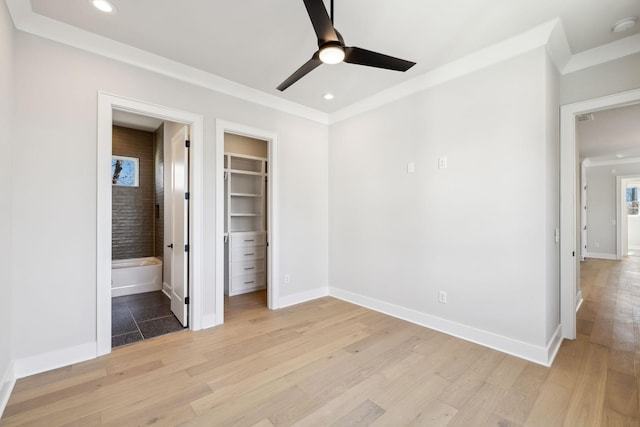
(245, 223)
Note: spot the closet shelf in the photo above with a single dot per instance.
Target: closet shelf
(243, 172)
(245, 195)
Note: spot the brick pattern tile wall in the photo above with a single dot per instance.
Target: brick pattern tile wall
(133, 220)
(158, 158)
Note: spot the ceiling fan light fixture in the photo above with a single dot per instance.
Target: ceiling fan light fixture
(332, 54)
(624, 24)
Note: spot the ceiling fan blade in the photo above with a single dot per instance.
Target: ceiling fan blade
(309, 66)
(321, 21)
(356, 55)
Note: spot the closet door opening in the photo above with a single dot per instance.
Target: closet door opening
(246, 248)
(246, 180)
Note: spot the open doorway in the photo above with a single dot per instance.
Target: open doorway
(569, 201)
(183, 198)
(246, 198)
(246, 179)
(628, 211)
(150, 222)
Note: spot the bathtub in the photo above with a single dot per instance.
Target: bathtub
(136, 275)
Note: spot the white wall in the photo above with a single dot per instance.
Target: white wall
(601, 207)
(7, 32)
(552, 201)
(605, 79)
(55, 186)
(479, 229)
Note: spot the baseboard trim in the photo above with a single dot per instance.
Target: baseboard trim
(554, 346)
(54, 359)
(580, 301)
(134, 289)
(537, 354)
(289, 300)
(6, 386)
(166, 288)
(600, 255)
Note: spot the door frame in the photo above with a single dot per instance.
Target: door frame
(222, 127)
(106, 104)
(622, 222)
(569, 221)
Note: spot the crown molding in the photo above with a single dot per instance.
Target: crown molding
(588, 162)
(605, 53)
(550, 34)
(514, 46)
(26, 20)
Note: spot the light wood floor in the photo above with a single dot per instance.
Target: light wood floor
(330, 363)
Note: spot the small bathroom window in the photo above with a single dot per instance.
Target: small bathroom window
(125, 171)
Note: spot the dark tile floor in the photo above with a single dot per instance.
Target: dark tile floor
(141, 316)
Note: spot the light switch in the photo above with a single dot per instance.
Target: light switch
(442, 162)
(411, 167)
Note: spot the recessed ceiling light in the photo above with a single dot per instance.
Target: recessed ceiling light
(328, 96)
(624, 24)
(103, 6)
(619, 156)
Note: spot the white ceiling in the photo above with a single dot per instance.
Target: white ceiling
(259, 43)
(612, 132)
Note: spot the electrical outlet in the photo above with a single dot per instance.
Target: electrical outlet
(287, 278)
(442, 162)
(442, 297)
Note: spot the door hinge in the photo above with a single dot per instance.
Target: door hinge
(186, 300)
(186, 248)
(187, 143)
(573, 253)
(186, 195)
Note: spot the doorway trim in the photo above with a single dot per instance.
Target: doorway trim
(106, 104)
(569, 221)
(622, 221)
(222, 127)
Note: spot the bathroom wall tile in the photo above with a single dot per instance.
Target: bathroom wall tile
(133, 220)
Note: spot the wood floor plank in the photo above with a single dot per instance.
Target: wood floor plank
(329, 362)
(363, 415)
(587, 402)
(550, 408)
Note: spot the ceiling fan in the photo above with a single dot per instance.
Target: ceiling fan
(332, 50)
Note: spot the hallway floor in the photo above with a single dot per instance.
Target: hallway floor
(141, 316)
(606, 352)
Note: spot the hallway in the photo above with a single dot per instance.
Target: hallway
(601, 364)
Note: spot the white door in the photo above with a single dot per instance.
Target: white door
(180, 225)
